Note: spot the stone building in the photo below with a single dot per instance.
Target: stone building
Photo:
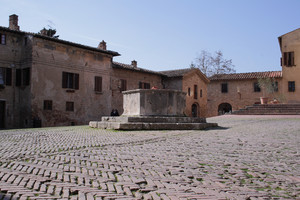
(230, 92)
(46, 81)
(194, 83)
(290, 61)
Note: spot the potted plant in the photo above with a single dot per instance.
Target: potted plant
(268, 86)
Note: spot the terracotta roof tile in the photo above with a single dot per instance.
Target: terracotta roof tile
(176, 73)
(250, 75)
(132, 68)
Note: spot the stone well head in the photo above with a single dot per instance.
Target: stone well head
(160, 102)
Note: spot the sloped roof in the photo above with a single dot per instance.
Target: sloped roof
(242, 76)
(132, 68)
(113, 53)
(176, 73)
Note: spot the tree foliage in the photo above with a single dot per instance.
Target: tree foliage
(211, 64)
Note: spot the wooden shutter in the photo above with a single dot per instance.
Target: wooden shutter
(76, 81)
(64, 80)
(18, 77)
(8, 77)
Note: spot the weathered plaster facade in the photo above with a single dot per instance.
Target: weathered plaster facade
(194, 83)
(290, 49)
(240, 91)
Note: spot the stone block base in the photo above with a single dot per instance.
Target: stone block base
(152, 123)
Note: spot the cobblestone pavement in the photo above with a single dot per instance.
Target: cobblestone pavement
(245, 158)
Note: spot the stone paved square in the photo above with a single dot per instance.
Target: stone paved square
(247, 157)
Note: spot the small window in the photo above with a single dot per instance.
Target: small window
(47, 104)
(189, 91)
(224, 88)
(2, 38)
(288, 59)
(201, 93)
(123, 85)
(26, 76)
(256, 87)
(143, 85)
(195, 91)
(70, 80)
(98, 83)
(291, 85)
(2, 76)
(275, 86)
(69, 106)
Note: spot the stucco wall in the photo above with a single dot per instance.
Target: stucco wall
(132, 78)
(50, 59)
(16, 55)
(290, 42)
(189, 80)
(240, 94)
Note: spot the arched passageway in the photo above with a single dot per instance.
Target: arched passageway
(224, 108)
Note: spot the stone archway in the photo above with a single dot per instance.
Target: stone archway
(224, 108)
(195, 110)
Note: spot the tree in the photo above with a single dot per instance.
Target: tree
(49, 32)
(213, 64)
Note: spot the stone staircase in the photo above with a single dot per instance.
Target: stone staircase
(270, 109)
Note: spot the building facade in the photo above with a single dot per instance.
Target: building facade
(194, 83)
(45, 81)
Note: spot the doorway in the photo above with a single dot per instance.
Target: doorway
(194, 110)
(224, 108)
(2, 114)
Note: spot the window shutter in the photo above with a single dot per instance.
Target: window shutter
(18, 77)
(140, 85)
(8, 76)
(292, 59)
(285, 58)
(76, 81)
(64, 80)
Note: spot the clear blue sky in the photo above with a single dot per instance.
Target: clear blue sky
(167, 34)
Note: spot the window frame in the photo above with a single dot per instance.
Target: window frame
(48, 104)
(70, 106)
(70, 80)
(224, 87)
(98, 84)
(256, 87)
(144, 85)
(2, 39)
(289, 59)
(291, 86)
(195, 91)
(123, 86)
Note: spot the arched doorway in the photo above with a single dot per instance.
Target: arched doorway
(224, 108)
(194, 110)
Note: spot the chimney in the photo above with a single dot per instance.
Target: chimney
(102, 45)
(13, 22)
(134, 63)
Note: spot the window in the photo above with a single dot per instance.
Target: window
(256, 87)
(195, 92)
(98, 83)
(2, 38)
(143, 85)
(291, 85)
(275, 86)
(201, 93)
(123, 85)
(26, 76)
(69, 106)
(288, 59)
(5, 76)
(70, 80)
(224, 87)
(189, 91)
(23, 77)
(47, 105)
